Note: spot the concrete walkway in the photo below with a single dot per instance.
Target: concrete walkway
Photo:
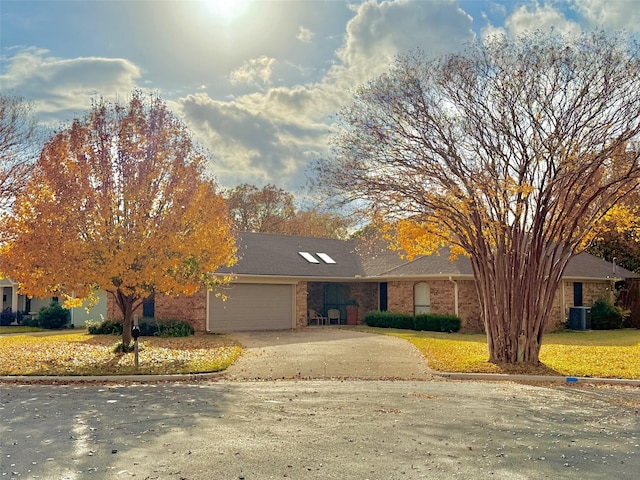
(325, 352)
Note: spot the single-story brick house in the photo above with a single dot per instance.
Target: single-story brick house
(278, 278)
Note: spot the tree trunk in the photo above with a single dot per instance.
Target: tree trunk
(126, 305)
(516, 289)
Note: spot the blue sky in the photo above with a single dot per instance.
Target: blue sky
(258, 82)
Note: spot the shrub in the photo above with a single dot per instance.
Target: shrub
(379, 319)
(402, 321)
(605, 316)
(149, 327)
(54, 316)
(105, 327)
(29, 321)
(448, 323)
(7, 317)
(174, 328)
(424, 322)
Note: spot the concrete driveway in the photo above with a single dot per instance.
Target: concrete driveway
(326, 352)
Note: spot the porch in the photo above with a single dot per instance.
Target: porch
(351, 299)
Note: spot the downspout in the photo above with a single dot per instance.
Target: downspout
(455, 295)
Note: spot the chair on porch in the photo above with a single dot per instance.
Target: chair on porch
(333, 314)
(317, 318)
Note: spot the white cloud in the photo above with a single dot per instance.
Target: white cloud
(304, 35)
(270, 136)
(617, 15)
(379, 31)
(66, 85)
(536, 17)
(256, 71)
(247, 146)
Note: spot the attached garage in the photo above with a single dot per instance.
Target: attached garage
(252, 306)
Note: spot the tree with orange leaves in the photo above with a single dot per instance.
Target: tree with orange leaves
(119, 201)
(509, 152)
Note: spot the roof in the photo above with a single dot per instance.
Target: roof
(265, 254)
(279, 255)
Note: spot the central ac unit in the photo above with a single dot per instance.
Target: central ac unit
(580, 318)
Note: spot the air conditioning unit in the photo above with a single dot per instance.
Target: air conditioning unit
(579, 318)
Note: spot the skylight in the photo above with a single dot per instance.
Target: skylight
(308, 257)
(326, 258)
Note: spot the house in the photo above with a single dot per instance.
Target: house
(17, 302)
(278, 278)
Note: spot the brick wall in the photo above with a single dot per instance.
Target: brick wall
(469, 306)
(366, 295)
(191, 309)
(301, 305)
(400, 299)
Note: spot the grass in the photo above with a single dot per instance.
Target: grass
(19, 329)
(604, 354)
(82, 354)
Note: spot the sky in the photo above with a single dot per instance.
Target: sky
(259, 83)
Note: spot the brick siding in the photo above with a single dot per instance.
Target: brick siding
(301, 305)
(399, 299)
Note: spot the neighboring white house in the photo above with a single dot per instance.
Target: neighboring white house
(17, 302)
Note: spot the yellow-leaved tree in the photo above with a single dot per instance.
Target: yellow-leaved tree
(119, 201)
(510, 152)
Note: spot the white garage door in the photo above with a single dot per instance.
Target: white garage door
(251, 306)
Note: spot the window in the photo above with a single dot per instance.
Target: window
(308, 257)
(577, 294)
(384, 304)
(149, 307)
(421, 298)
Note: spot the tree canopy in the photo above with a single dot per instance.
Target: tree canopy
(509, 152)
(17, 150)
(617, 236)
(272, 210)
(118, 201)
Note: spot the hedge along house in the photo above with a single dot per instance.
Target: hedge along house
(279, 278)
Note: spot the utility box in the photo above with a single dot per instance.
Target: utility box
(579, 318)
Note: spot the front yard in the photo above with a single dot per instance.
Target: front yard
(604, 353)
(62, 353)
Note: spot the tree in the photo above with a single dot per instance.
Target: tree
(618, 235)
(259, 210)
(118, 201)
(509, 152)
(17, 152)
(272, 210)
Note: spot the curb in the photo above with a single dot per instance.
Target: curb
(195, 377)
(504, 377)
(44, 379)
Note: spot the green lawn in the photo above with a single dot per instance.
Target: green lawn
(606, 354)
(74, 353)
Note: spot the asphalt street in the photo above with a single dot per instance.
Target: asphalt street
(319, 429)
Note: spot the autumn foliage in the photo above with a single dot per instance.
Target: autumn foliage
(509, 152)
(119, 201)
